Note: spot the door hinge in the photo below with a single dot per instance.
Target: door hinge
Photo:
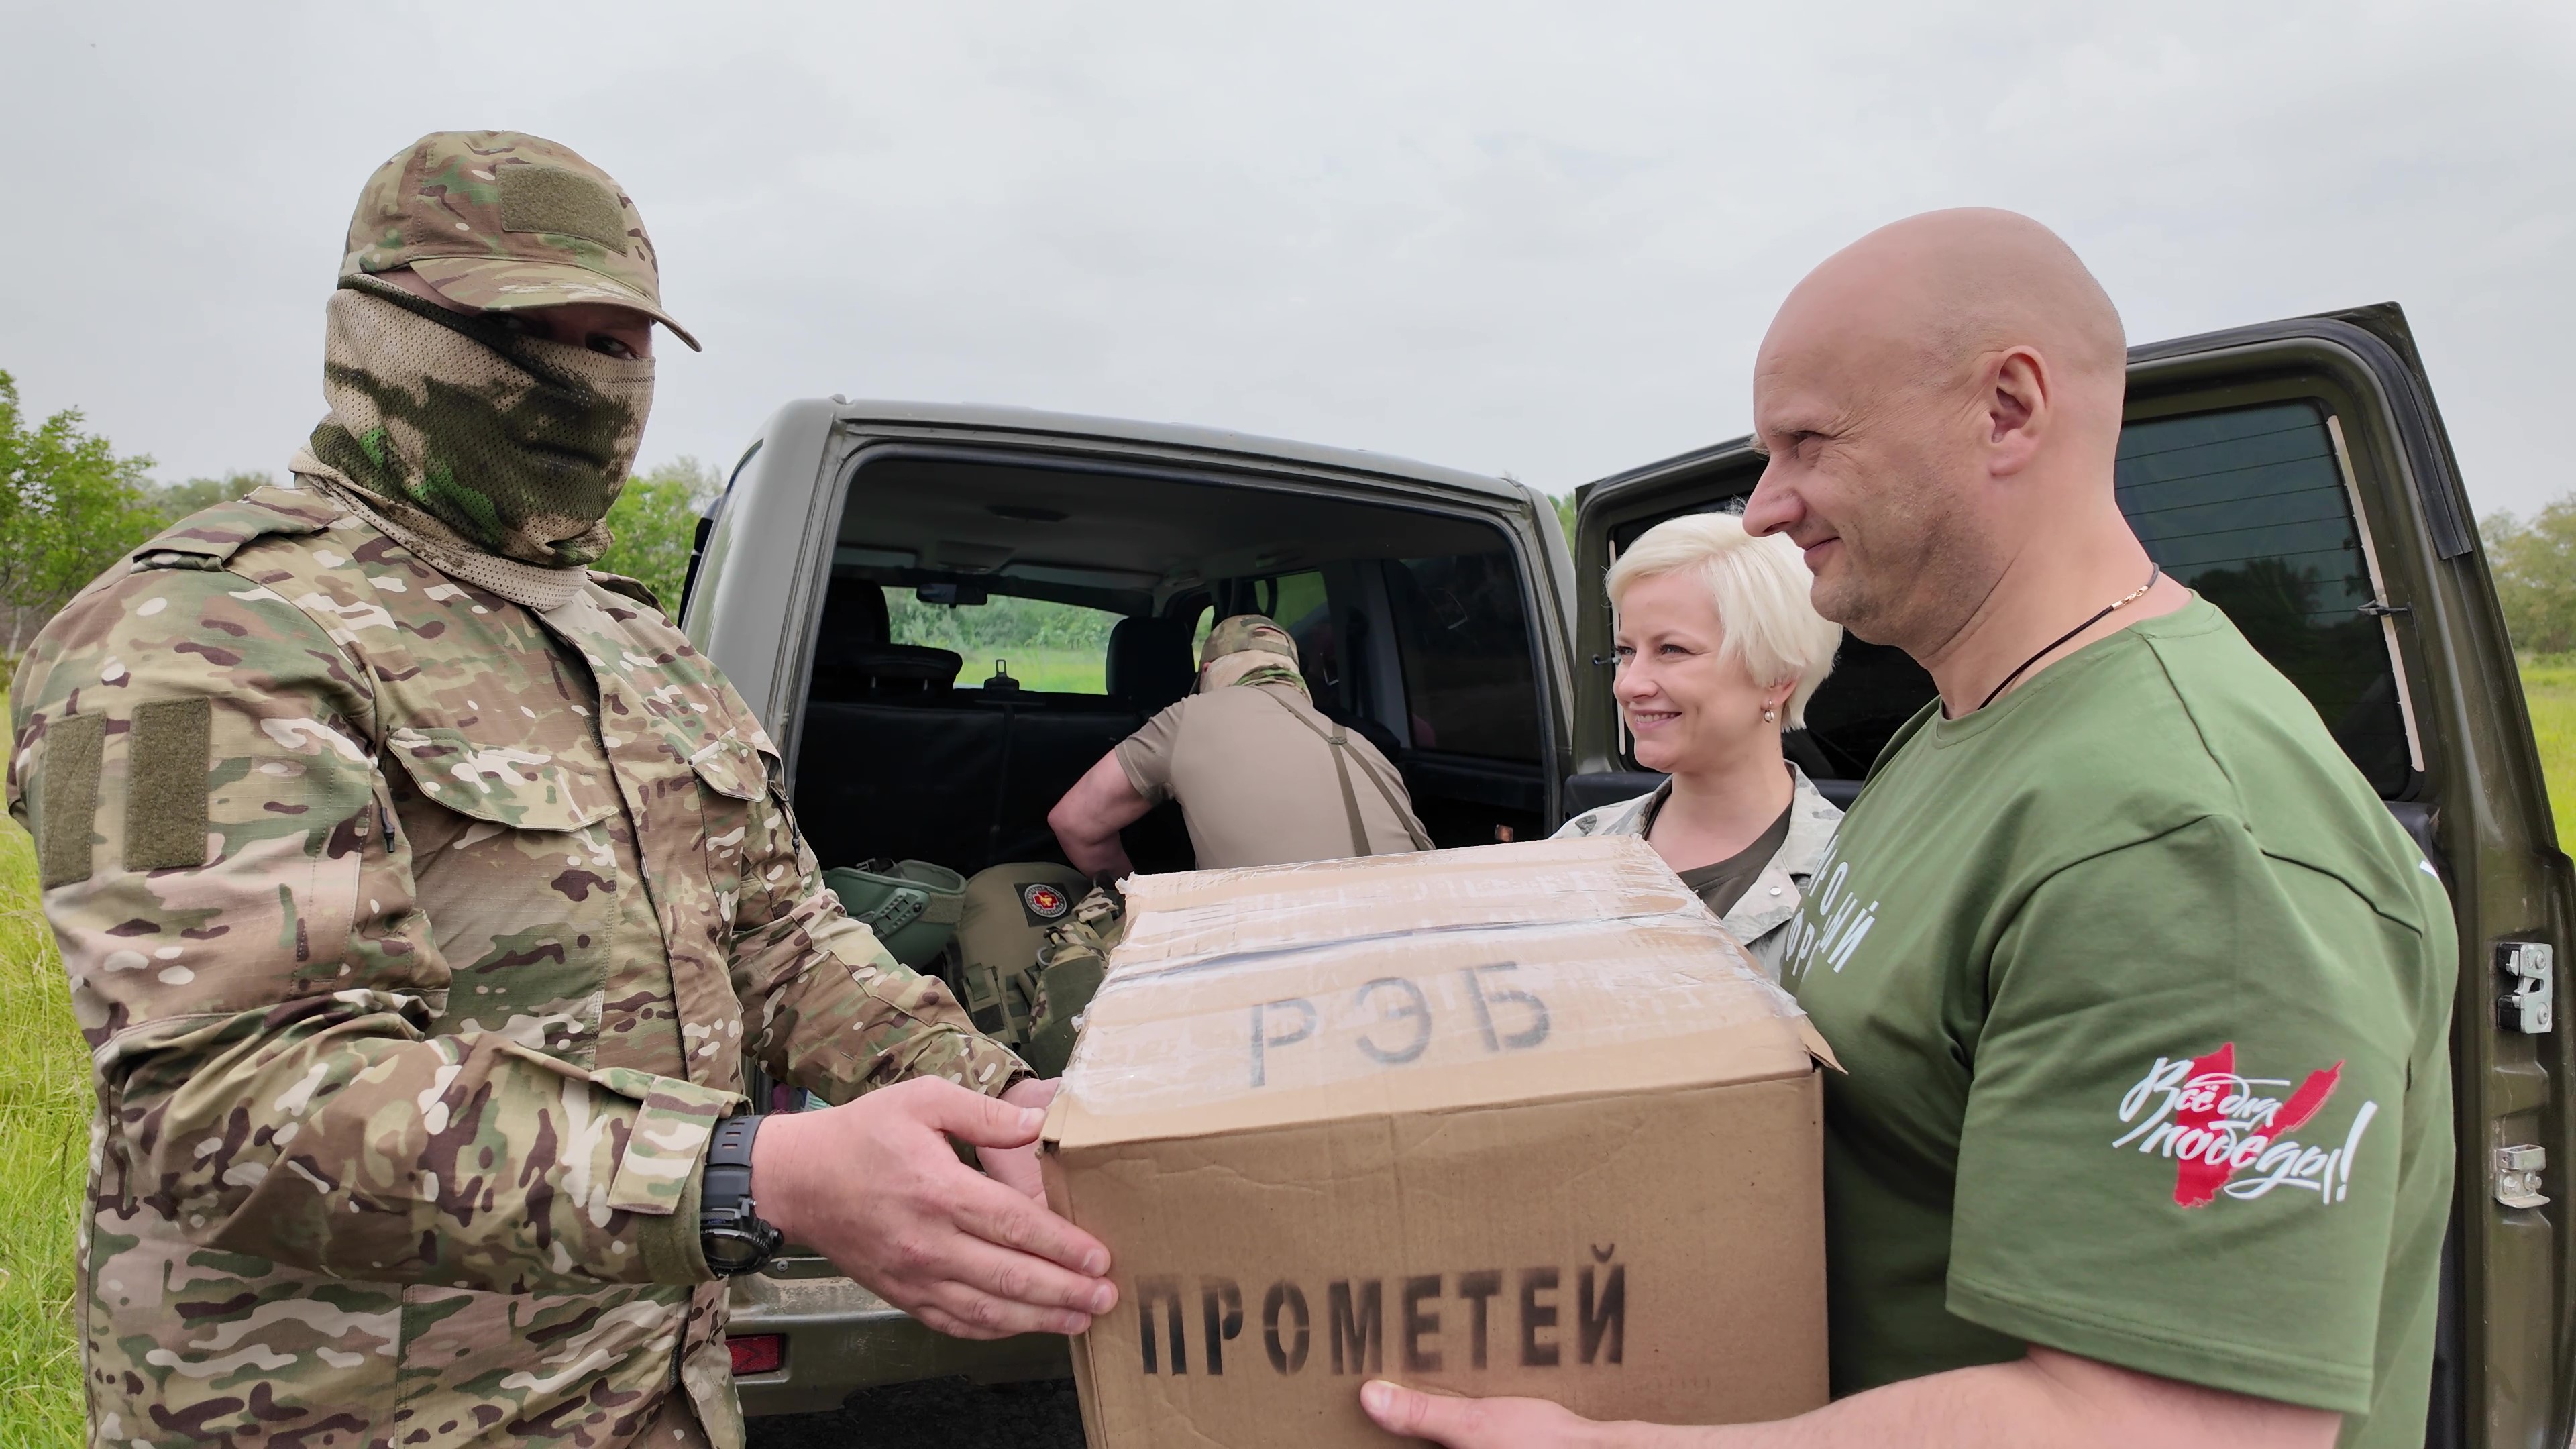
(2376, 609)
(2517, 1176)
(2530, 985)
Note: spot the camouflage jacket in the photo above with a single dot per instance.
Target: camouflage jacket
(417, 940)
(1773, 898)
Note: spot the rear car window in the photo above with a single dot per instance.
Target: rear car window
(1463, 642)
(1055, 648)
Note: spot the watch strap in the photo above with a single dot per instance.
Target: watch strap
(731, 1145)
(729, 1223)
(727, 1180)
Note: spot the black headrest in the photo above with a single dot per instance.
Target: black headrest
(852, 659)
(1149, 662)
(854, 615)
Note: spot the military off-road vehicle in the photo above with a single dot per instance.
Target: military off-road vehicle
(2295, 473)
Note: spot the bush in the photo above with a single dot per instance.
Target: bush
(69, 506)
(655, 520)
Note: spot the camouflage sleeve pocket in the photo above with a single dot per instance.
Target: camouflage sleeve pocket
(731, 767)
(669, 1142)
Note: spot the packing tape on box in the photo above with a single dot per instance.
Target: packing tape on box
(1235, 983)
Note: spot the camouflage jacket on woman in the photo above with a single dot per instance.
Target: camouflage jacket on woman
(1773, 898)
(418, 939)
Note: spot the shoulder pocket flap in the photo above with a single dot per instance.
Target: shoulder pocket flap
(208, 538)
(505, 784)
(731, 766)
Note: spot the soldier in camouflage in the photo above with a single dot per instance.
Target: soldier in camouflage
(422, 890)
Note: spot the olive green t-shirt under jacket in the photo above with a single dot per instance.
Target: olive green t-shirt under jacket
(2143, 1002)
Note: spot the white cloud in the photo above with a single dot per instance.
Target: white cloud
(1502, 236)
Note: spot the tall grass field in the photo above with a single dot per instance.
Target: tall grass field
(44, 1149)
(45, 1094)
(2549, 685)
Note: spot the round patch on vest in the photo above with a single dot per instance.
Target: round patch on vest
(1043, 901)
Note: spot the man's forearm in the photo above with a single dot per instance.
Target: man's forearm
(1989, 1407)
(828, 1009)
(1097, 855)
(1090, 838)
(2041, 1402)
(342, 1145)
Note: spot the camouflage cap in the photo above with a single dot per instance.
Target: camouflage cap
(499, 220)
(1243, 632)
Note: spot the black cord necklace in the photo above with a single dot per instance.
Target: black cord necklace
(2154, 572)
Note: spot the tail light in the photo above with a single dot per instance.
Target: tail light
(758, 1353)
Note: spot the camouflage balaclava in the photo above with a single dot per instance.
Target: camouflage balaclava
(1248, 649)
(517, 444)
(457, 425)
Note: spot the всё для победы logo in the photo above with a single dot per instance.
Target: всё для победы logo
(2228, 1134)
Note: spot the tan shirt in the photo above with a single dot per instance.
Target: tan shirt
(1257, 786)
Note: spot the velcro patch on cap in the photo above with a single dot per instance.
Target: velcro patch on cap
(166, 784)
(551, 198)
(67, 802)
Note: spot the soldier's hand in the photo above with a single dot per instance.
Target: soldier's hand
(874, 1186)
(1018, 1166)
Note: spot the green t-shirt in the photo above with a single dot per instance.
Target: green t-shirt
(2143, 1003)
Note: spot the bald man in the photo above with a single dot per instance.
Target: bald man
(2144, 1136)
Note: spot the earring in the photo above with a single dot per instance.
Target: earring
(1770, 716)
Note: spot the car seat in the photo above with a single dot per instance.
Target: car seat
(1149, 664)
(854, 659)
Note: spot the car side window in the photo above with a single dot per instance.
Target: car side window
(1462, 641)
(2249, 508)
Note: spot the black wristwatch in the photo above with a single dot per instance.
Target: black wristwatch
(730, 1229)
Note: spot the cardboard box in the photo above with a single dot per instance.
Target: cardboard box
(1518, 1119)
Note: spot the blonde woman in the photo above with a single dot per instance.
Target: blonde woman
(1718, 652)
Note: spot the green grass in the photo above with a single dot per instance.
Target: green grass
(2549, 686)
(44, 1133)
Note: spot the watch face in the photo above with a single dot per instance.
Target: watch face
(733, 1250)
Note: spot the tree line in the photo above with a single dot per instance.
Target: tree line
(70, 505)
(2534, 564)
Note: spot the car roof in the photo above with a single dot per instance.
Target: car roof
(989, 417)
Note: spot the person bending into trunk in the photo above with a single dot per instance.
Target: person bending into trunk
(1719, 651)
(1262, 776)
(2144, 1000)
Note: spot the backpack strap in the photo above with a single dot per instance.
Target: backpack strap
(1339, 739)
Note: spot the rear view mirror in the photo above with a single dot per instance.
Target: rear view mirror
(952, 594)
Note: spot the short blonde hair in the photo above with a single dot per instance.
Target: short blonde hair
(1759, 588)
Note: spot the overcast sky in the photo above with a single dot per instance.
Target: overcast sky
(1541, 239)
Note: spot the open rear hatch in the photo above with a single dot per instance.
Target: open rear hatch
(991, 620)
